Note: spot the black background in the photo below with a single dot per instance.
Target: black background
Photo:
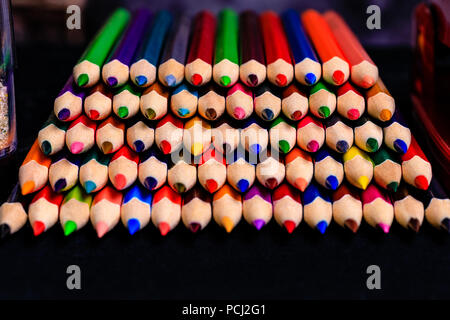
(245, 264)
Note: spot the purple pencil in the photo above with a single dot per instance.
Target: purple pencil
(116, 70)
(69, 102)
(257, 206)
(171, 69)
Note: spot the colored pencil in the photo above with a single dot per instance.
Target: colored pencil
(146, 59)
(152, 170)
(270, 171)
(239, 102)
(350, 102)
(198, 69)
(105, 210)
(123, 168)
(110, 135)
(335, 68)
(43, 211)
(317, 207)
(184, 101)
(338, 135)
(408, 211)
(310, 134)
(52, 136)
(212, 170)
(166, 209)
(267, 101)
(322, 100)
(368, 135)
(287, 207)
(437, 206)
(252, 60)
(80, 136)
(12, 214)
(126, 101)
(380, 103)
(93, 173)
(68, 104)
(226, 55)
(387, 172)
(63, 172)
(140, 135)
(377, 208)
(154, 101)
(197, 136)
(363, 71)
(307, 67)
(227, 207)
(224, 137)
(416, 169)
(74, 210)
(257, 206)
(294, 103)
(98, 103)
(196, 209)
(211, 102)
(397, 135)
(347, 207)
(282, 135)
(280, 70)
(358, 167)
(115, 71)
(254, 136)
(33, 173)
(240, 173)
(173, 58)
(299, 168)
(328, 169)
(181, 174)
(169, 134)
(87, 70)
(136, 208)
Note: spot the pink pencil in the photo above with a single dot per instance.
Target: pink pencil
(377, 208)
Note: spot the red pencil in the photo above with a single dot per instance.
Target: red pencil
(212, 170)
(169, 134)
(416, 169)
(310, 134)
(287, 207)
(123, 168)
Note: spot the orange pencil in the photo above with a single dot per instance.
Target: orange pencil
(33, 173)
(299, 168)
(380, 103)
(197, 136)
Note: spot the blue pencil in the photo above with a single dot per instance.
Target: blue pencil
(397, 135)
(136, 208)
(328, 169)
(240, 173)
(152, 170)
(317, 210)
(184, 101)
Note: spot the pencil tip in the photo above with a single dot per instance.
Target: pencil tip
(150, 183)
(211, 185)
(385, 115)
(367, 81)
(252, 80)
(242, 185)
(400, 146)
(414, 224)
(5, 230)
(194, 227)
(271, 183)
(76, 147)
(94, 114)
(267, 114)
(182, 112)
(421, 182)
(133, 226)
(363, 182)
(197, 148)
(258, 224)
(63, 114)
(255, 148)
(107, 147)
(289, 225)
(281, 80)
(164, 228)
(331, 182)
(120, 181)
(46, 147)
(122, 112)
(69, 227)
(342, 146)
(138, 146)
(179, 187)
(310, 78)
(150, 114)
(338, 77)
(239, 113)
(112, 81)
(196, 79)
(211, 114)
(165, 147)
(312, 146)
(301, 184)
(353, 114)
(60, 184)
(324, 111)
(322, 226)
(82, 80)
(296, 115)
(372, 145)
(38, 228)
(284, 146)
(225, 81)
(445, 224)
(384, 227)
(101, 228)
(28, 187)
(170, 80)
(140, 80)
(89, 186)
(392, 186)
(228, 224)
(352, 225)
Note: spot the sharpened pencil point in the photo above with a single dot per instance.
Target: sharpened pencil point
(225, 81)
(150, 183)
(289, 225)
(138, 146)
(242, 185)
(310, 78)
(82, 80)
(367, 81)
(255, 148)
(197, 148)
(133, 226)
(353, 114)
(414, 224)
(271, 183)
(267, 114)
(211, 114)
(164, 228)
(69, 227)
(76, 147)
(284, 146)
(140, 80)
(195, 227)
(63, 114)
(28, 187)
(89, 186)
(385, 115)
(165, 147)
(421, 182)
(322, 226)
(122, 112)
(392, 186)
(252, 80)
(182, 112)
(170, 80)
(101, 228)
(296, 115)
(227, 224)
(400, 146)
(38, 228)
(258, 224)
(351, 225)
(150, 114)
(324, 112)
(120, 181)
(179, 187)
(196, 79)
(445, 224)
(46, 148)
(338, 77)
(239, 113)
(107, 147)
(5, 230)
(211, 185)
(281, 80)
(112, 81)
(372, 145)
(384, 227)
(363, 182)
(301, 184)
(60, 185)
(312, 146)
(94, 114)
(331, 182)
(342, 146)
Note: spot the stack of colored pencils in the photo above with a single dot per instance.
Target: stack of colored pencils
(167, 120)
